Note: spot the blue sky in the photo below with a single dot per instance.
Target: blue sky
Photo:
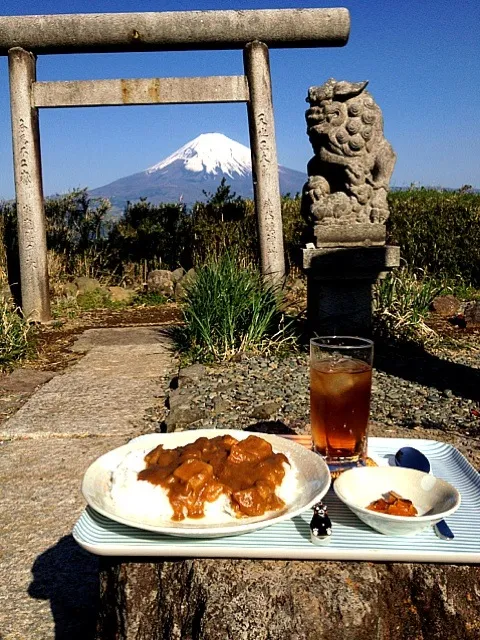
(421, 58)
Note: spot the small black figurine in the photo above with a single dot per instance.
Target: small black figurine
(321, 525)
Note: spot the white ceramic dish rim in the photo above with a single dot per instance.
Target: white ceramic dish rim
(393, 518)
(323, 480)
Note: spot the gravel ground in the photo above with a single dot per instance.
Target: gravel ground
(421, 392)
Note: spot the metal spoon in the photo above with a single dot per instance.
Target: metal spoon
(415, 459)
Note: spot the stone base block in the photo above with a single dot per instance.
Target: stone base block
(353, 235)
(333, 263)
(340, 307)
(339, 287)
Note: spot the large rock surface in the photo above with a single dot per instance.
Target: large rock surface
(276, 600)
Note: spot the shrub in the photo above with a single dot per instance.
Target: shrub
(10, 262)
(76, 229)
(95, 299)
(438, 231)
(76, 235)
(14, 334)
(228, 309)
(153, 234)
(149, 299)
(294, 231)
(226, 221)
(3, 247)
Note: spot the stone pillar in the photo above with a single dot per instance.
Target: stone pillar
(339, 287)
(264, 162)
(28, 186)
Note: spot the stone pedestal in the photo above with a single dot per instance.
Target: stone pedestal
(359, 235)
(221, 599)
(339, 287)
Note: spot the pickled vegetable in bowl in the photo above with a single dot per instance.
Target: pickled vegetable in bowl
(434, 499)
(393, 504)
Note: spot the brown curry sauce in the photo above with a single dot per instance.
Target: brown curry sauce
(247, 471)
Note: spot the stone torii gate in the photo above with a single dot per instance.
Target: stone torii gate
(22, 38)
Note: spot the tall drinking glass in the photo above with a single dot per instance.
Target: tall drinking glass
(340, 389)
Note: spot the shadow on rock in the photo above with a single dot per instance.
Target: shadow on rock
(271, 426)
(67, 575)
(415, 364)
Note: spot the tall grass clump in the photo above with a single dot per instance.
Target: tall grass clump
(401, 303)
(14, 335)
(228, 309)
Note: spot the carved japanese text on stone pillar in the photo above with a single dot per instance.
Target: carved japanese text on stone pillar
(345, 197)
(24, 135)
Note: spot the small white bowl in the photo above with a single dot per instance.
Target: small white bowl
(433, 498)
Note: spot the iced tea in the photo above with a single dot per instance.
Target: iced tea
(340, 389)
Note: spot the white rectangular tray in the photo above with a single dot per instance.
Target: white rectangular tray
(351, 539)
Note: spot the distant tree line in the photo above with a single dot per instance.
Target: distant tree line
(438, 231)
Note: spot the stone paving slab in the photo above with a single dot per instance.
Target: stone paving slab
(121, 336)
(46, 580)
(25, 380)
(48, 585)
(105, 393)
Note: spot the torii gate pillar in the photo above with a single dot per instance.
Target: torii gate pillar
(28, 186)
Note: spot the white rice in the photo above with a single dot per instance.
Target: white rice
(139, 500)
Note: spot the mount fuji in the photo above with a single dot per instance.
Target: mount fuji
(196, 167)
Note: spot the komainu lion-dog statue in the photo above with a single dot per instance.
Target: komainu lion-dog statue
(350, 172)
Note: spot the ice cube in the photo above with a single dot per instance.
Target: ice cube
(339, 383)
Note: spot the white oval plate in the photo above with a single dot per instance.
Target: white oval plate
(313, 480)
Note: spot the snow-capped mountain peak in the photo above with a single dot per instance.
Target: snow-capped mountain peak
(192, 172)
(211, 153)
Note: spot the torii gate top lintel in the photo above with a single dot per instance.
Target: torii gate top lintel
(174, 30)
(22, 38)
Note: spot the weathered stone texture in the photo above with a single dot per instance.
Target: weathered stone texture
(32, 238)
(264, 162)
(274, 600)
(446, 306)
(167, 30)
(345, 204)
(350, 172)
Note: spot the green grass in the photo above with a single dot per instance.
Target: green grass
(15, 335)
(401, 305)
(149, 299)
(95, 299)
(64, 308)
(438, 231)
(463, 291)
(71, 307)
(227, 310)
